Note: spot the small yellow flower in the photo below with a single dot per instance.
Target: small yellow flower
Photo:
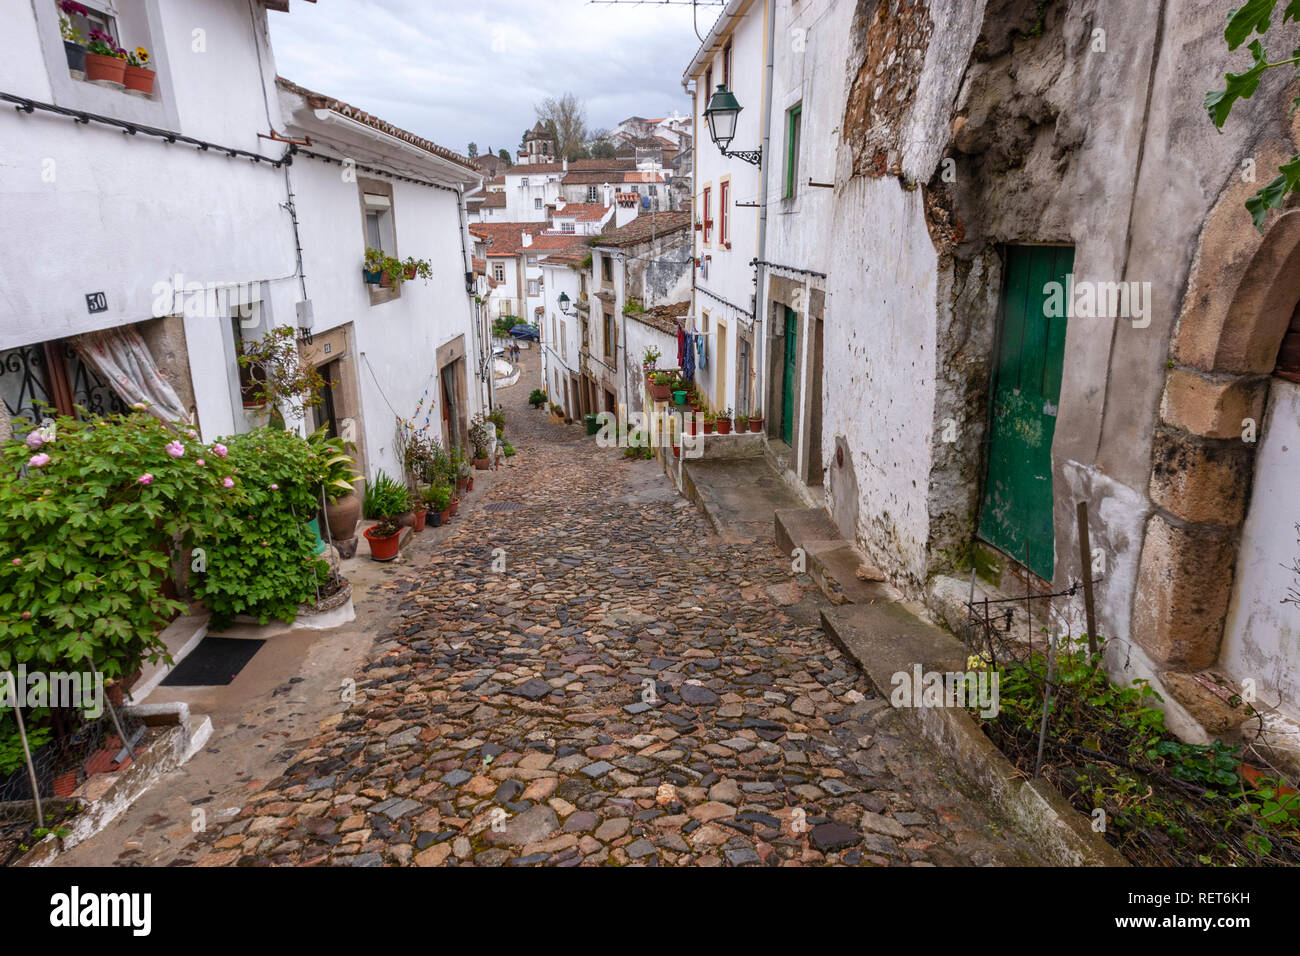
(142, 55)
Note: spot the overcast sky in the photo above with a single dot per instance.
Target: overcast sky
(454, 72)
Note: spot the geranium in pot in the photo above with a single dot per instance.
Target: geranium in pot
(756, 420)
(139, 76)
(724, 422)
(414, 267)
(74, 41)
(105, 61)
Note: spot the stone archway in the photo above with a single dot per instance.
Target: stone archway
(1242, 294)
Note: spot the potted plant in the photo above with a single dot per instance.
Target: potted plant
(385, 539)
(482, 434)
(342, 506)
(690, 424)
(439, 498)
(710, 423)
(660, 386)
(74, 42)
(373, 266)
(138, 76)
(537, 398)
(756, 420)
(285, 380)
(394, 273)
(455, 504)
(464, 471)
(724, 421)
(419, 510)
(742, 423)
(103, 62)
(413, 267)
(650, 358)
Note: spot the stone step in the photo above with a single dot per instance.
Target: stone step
(831, 561)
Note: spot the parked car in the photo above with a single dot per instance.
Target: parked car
(527, 332)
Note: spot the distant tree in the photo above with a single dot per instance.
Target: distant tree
(566, 119)
(601, 145)
(505, 157)
(472, 152)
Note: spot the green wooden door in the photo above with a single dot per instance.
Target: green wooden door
(788, 379)
(1016, 516)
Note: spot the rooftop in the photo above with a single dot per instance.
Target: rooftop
(644, 228)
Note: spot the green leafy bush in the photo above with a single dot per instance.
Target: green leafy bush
(262, 562)
(386, 497)
(90, 513)
(537, 398)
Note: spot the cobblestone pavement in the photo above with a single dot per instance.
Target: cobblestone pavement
(628, 690)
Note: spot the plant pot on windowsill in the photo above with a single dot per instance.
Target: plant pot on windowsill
(408, 271)
(372, 278)
(385, 540)
(76, 54)
(108, 69)
(724, 426)
(756, 424)
(139, 79)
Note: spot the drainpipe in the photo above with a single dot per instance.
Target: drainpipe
(760, 274)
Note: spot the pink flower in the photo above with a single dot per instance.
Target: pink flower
(201, 463)
(37, 461)
(275, 487)
(26, 615)
(175, 449)
(219, 450)
(35, 440)
(145, 479)
(229, 482)
(192, 433)
(16, 561)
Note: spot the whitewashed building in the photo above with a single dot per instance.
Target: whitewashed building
(167, 247)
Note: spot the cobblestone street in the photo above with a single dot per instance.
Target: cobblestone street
(629, 690)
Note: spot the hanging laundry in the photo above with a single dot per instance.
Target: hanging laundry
(702, 352)
(688, 366)
(681, 345)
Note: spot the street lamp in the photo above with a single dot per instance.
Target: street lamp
(564, 303)
(722, 113)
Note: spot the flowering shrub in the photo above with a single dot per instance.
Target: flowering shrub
(89, 513)
(261, 561)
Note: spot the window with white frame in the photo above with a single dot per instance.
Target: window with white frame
(499, 271)
(567, 227)
(537, 203)
(593, 194)
(534, 287)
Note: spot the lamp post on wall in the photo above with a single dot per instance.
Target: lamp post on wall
(722, 113)
(564, 301)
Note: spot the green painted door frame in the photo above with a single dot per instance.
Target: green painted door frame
(1016, 514)
(788, 379)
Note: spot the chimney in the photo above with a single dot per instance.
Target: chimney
(527, 238)
(566, 164)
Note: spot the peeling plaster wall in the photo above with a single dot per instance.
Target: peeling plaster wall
(879, 369)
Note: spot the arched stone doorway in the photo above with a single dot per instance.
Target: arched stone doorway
(1242, 294)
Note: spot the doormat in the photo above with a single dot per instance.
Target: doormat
(214, 663)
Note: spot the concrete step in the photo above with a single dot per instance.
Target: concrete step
(737, 495)
(831, 561)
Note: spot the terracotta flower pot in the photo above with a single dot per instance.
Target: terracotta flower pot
(445, 515)
(482, 463)
(462, 484)
(342, 517)
(383, 548)
(708, 428)
(420, 515)
(455, 504)
(101, 67)
(677, 451)
(139, 79)
(756, 424)
(409, 272)
(661, 393)
(690, 425)
(724, 426)
(469, 483)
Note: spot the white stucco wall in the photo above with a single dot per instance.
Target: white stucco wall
(1262, 636)
(880, 367)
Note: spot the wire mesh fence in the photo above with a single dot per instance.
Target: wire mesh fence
(1105, 747)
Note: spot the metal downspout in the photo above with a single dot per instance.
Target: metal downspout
(760, 275)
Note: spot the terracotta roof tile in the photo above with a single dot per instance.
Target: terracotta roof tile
(320, 101)
(643, 228)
